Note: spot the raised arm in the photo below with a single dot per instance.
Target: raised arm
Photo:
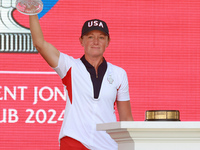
(48, 51)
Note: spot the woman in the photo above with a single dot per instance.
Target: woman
(93, 86)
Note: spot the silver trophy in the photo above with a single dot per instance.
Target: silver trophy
(29, 7)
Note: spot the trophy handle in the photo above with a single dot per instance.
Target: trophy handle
(29, 7)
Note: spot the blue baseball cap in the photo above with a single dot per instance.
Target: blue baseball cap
(95, 24)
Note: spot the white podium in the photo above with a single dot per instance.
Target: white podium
(154, 135)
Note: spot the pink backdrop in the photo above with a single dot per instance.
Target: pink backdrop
(156, 42)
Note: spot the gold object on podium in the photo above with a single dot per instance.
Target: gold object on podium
(162, 115)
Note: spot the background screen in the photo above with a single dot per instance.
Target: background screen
(157, 42)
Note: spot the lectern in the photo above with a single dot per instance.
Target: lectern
(154, 135)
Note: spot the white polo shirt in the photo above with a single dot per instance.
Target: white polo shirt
(83, 111)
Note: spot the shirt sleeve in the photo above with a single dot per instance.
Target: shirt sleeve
(64, 64)
(123, 90)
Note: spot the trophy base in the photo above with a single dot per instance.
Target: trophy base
(162, 115)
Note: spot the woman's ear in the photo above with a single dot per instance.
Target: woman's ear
(108, 42)
(81, 40)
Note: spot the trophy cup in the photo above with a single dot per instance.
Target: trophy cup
(29, 7)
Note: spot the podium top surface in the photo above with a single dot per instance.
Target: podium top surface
(150, 125)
